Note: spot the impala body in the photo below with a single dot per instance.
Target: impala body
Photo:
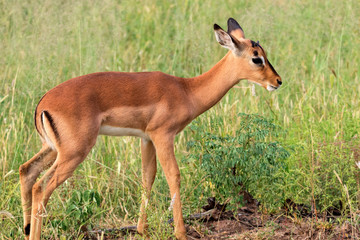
(151, 105)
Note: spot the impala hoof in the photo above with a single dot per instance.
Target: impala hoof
(27, 230)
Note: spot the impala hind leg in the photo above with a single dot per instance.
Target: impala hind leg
(29, 172)
(148, 157)
(164, 145)
(61, 170)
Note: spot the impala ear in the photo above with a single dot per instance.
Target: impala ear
(226, 40)
(235, 29)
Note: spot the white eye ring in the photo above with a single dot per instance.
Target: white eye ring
(263, 60)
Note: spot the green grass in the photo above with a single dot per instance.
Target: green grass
(314, 46)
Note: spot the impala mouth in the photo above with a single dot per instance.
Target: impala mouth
(268, 87)
(271, 88)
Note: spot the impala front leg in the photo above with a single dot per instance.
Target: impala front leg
(164, 145)
(148, 157)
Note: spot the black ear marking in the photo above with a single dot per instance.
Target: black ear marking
(222, 32)
(233, 25)
(217, 27)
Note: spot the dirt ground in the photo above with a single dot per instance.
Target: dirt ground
(249, 224)
(216, 223)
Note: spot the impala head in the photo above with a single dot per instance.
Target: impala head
(248, 54)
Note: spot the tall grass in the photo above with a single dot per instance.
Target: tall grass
(314, 45)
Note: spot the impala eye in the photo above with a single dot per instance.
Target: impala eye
(257, 61)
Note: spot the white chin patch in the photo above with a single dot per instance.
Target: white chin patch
(270, 88)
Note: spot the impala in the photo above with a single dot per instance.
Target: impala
(151, 105)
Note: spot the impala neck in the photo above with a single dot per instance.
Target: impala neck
(208, 88)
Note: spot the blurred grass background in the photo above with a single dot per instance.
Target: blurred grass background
(313, 45)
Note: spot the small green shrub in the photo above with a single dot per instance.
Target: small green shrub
(80, 208)
(250, 160)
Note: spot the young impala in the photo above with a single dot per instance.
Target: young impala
(151, 105)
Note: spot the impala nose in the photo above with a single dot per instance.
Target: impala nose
(279, 81)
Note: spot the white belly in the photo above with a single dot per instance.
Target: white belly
(119, 131)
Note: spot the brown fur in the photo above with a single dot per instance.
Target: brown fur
(158, 104)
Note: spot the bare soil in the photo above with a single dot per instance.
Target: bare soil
(248, 223)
